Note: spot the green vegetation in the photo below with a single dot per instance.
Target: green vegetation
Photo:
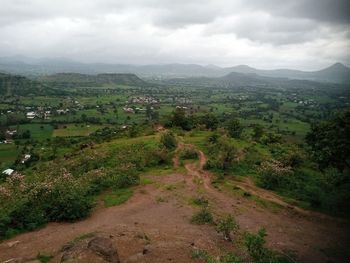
(117, 197)
(71, 130)
(255, 244)
(188, 154)
(94, 135)
(168, 140)
(204, 255)
(44, 258)
(226, 226)
(52, 193)
(200, 201)
(84, 236)
(202, 217)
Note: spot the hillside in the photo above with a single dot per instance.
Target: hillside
(236, 80)
(77, 79)
(337, 73)
(19, 85)
(158, 218)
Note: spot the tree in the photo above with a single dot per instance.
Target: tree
(258, 132)
(330, 142)
(179, 119)
(223, 155)
(168, 140)
(234, 128)
(210, 121)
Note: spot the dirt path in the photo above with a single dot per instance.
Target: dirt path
(158, 216)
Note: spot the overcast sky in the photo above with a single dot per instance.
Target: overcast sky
(304, 34)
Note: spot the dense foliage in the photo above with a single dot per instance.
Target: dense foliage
(52, 193)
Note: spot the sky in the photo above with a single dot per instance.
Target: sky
(300, 34)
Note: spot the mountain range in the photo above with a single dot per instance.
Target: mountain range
(336, 73)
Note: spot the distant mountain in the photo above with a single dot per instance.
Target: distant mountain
(239, 80)
(77, 79)
(337, 73)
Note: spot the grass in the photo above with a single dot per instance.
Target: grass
(161, 170)
(8, 152)
(38, 131)
(144, 180)
(117, 197)
(76, 130)
(200, 201)
(263, 203)
(84, 236)
(202, 217)
(44, 258)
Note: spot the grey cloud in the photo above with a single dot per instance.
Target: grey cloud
(334, 11)
(193, 31)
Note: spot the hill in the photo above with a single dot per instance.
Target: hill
(19, 85)
(76, 79)
(237, 80)
(337, 73)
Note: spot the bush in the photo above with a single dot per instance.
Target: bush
(207, 258)
(168, 140)
(67, 203)
(222, 155)
(202, 217)
(255, 245)
(201, 201)
(271, 138)
(273, 175)
(189, 153)
(230, 258)
(226, 226)
(234, 128)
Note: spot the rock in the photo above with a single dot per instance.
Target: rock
(97, 250)
(104, 247)
(13, 243)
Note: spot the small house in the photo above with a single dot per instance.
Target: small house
(8, 171)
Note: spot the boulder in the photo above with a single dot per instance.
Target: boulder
(104, 247)
(97, 250)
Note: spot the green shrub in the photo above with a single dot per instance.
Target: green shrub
(203, 255)
(226, 226)
(230, 258)
(207, 258)
(44, 258)
(168, 140)
(189, 153)
(273, 175)
(222, 155)
(68, 204)
(255, 245)
(201, 201)
(202, 217)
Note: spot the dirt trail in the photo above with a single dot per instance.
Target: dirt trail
(158, 216)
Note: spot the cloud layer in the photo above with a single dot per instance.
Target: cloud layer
(306, 34)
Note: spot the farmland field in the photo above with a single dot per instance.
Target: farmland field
(72, 130)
